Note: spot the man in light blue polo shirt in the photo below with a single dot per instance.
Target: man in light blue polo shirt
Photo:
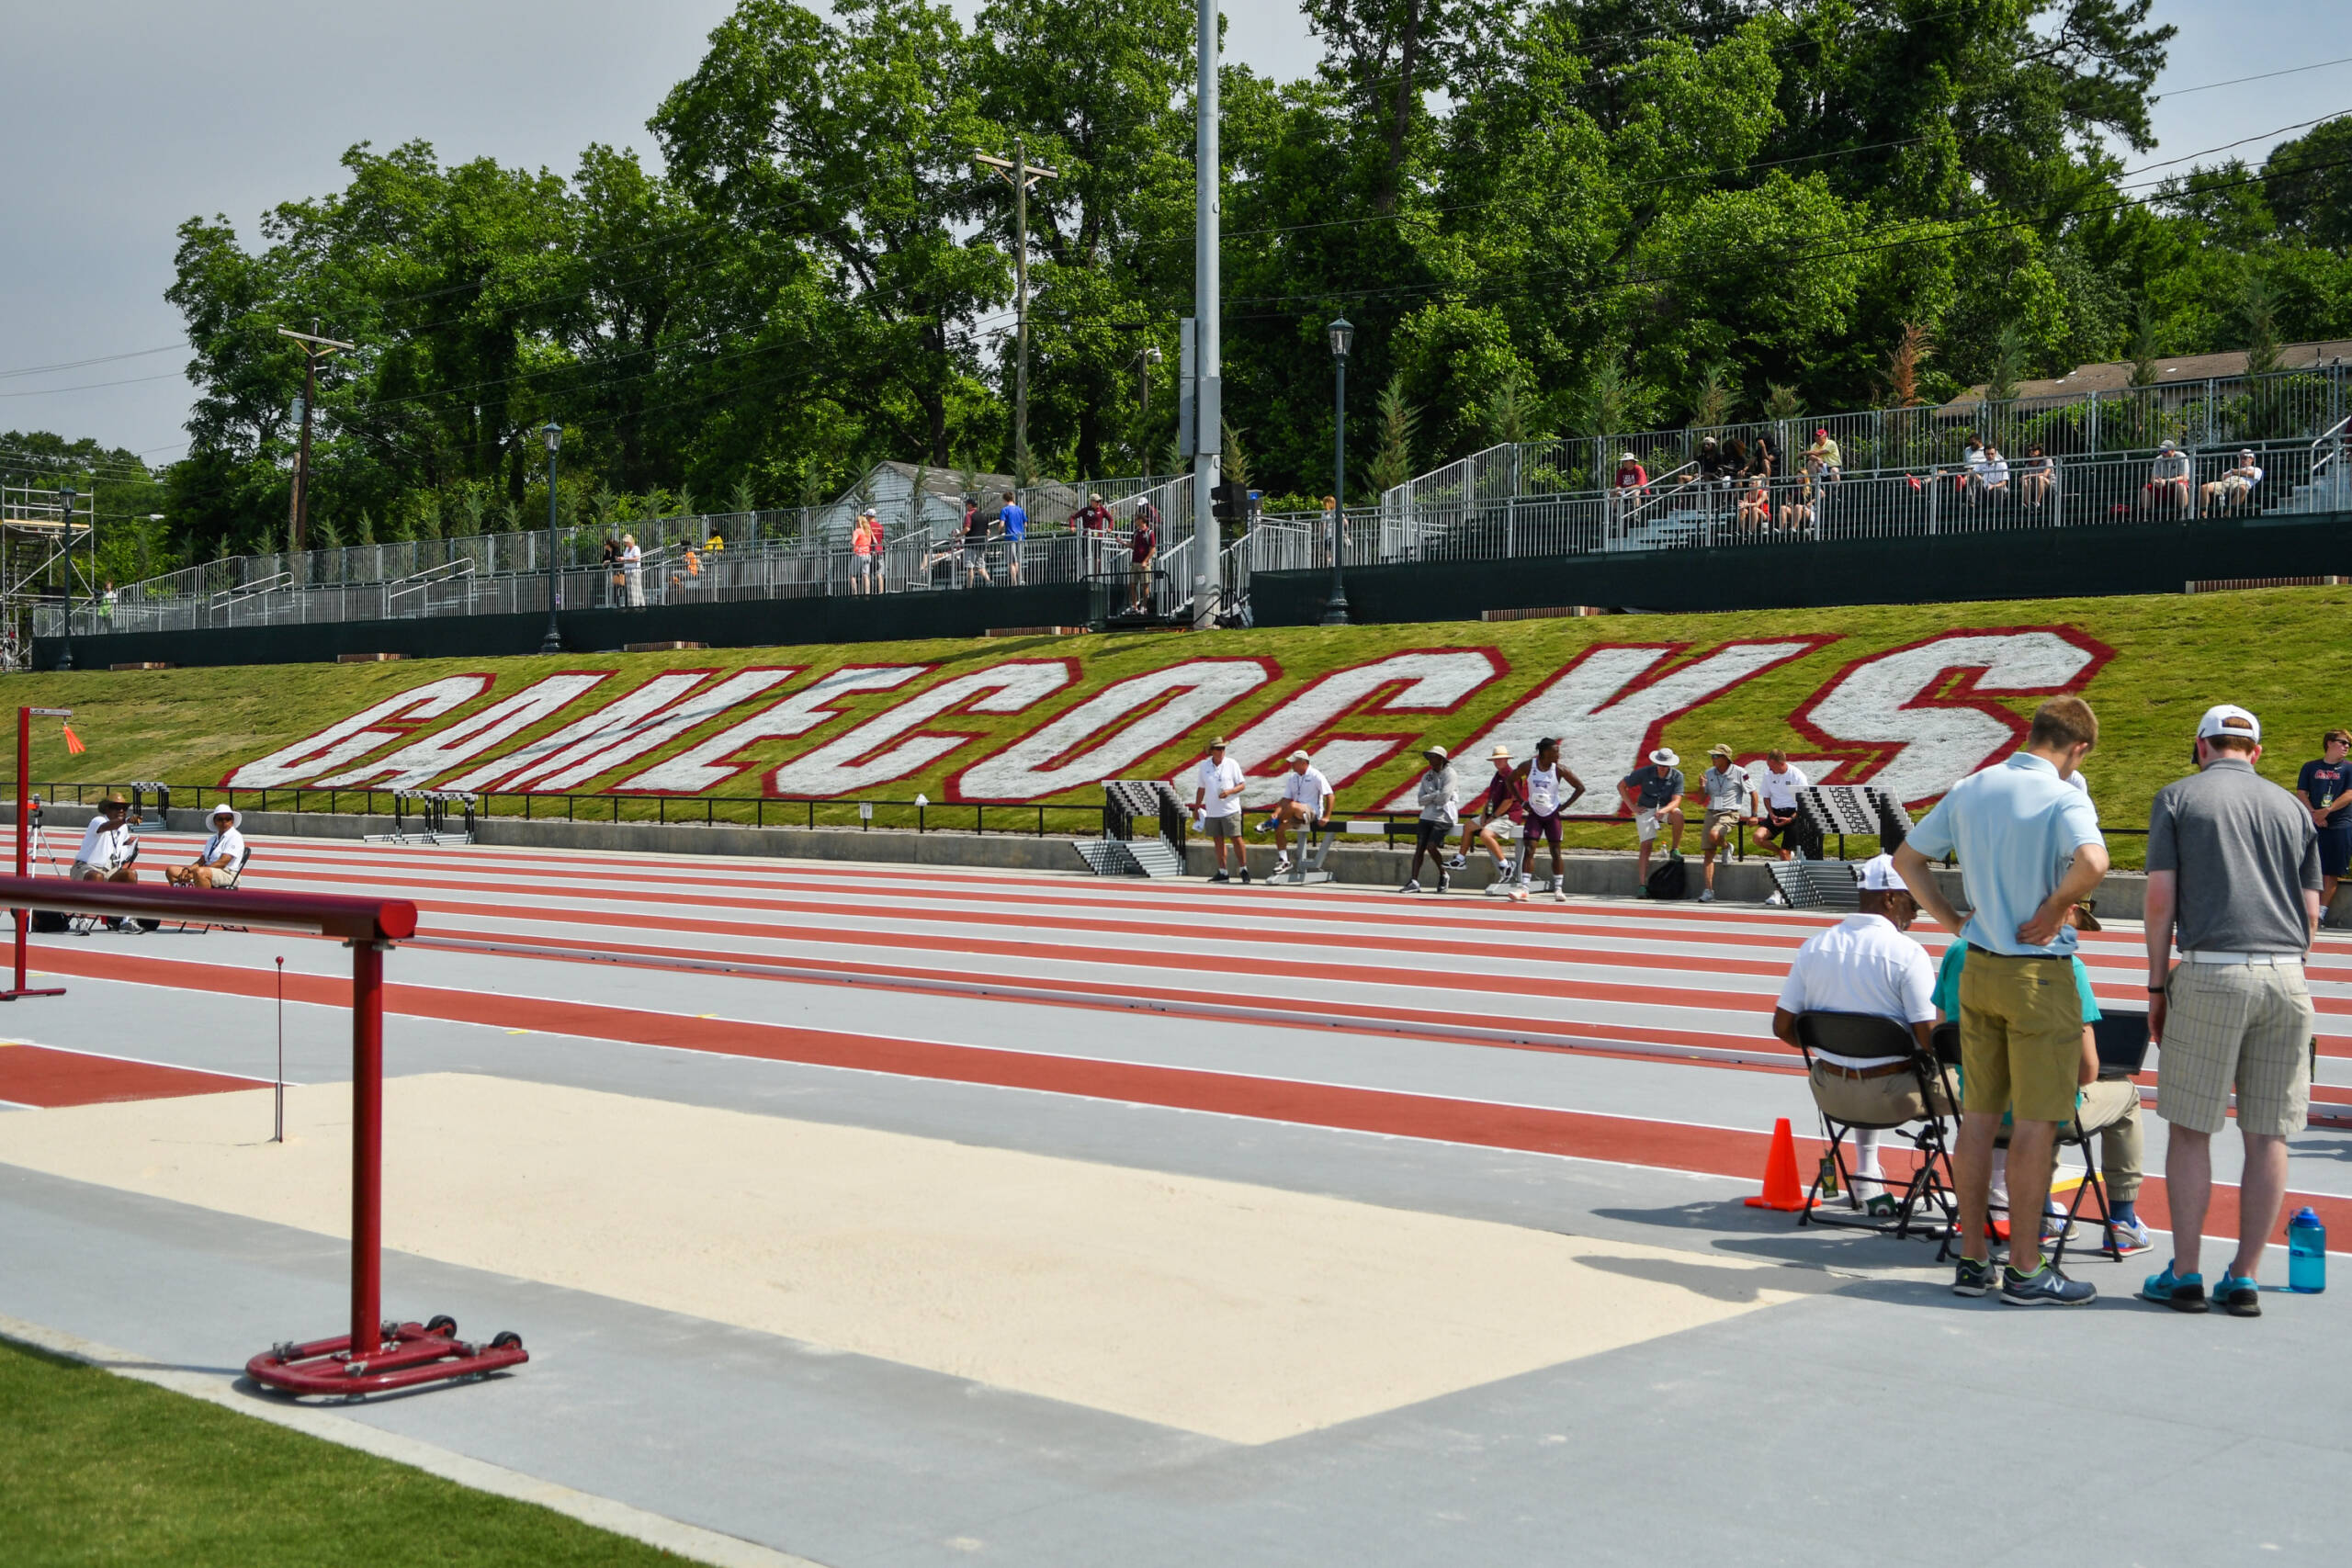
(2030, 850)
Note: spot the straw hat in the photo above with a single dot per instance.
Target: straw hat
(1500, 754)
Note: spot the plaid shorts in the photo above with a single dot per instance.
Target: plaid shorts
(2246, 1027)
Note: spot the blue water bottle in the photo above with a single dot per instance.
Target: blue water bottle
(2306, 1254)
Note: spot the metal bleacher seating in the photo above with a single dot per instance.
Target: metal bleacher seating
(1143, 832)
(1812, 882)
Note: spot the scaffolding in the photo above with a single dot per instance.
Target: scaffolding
(45, 554)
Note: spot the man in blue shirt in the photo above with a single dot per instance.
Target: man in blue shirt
(2326, 787)
(1016, 528)
(1653, 793)
(2030, 850)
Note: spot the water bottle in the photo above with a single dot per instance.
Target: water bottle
(2306, 1254)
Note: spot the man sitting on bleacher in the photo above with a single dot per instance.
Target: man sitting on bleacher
(216, 865)
(1864, 964)
(1307, 800)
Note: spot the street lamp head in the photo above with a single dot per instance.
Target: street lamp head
(554, 434)
(1343, 333)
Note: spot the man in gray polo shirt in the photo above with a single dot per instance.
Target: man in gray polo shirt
(2233, 865)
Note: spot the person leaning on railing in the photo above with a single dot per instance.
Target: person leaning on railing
(1143, 548)
(2037, 476)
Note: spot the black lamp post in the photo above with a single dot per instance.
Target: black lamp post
(553, 641)
(1335, 611)
(66, 650)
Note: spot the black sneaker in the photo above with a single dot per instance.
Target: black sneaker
(2045, 1287)
(1973, 1278)
(1412, 887)
(1245, 874)
(1443, 882)
(1220, 876)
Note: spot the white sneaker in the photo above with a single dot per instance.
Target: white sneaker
(1560, 892)
(1776, 901)
(1459, 863)
(1282, 863)
(1706, 896)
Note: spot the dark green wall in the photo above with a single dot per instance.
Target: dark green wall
(2036, 564)
(746, 623)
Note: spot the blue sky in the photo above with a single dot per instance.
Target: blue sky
(138, 115)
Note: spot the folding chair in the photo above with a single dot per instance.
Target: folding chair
(2070, 1135)
(235, 876)
(1883, 1042)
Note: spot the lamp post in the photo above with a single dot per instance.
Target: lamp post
(65, 651)
(1335, 611)
(553, 641)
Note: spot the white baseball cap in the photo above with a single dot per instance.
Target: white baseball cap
(1878, 876)
(1665, 758)
(2228, 719)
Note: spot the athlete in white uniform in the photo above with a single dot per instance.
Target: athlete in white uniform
(1307, 800)
(1541, 779)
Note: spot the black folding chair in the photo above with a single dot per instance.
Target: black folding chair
(1884, 1043)
(235, 877)
(2071, 1133)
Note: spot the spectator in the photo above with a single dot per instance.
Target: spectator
(2030, 850)
(1865, 964)
(215, 864)
(2233, 866)
(1755, 509)
(1653, 792)
(976, 544)
(2108, 1107)
(1216, 806)
(1763, 462)
(716, 543)
(1796, 514)
(1094, 534)
(1972, 471)
(610, 564)
(1995, 478)
(1502, 801)
(109, 845)
(1307, 800)
(1143, 548)
(1625, 487)
(1776, 785)
(1725, 788)
(1440, 797)
(2037, 476)
(861, 549)
(1823, 456)
(633, 570)
(1540, 778)
(2326, 787)
(2168, 479)
(2230, 491)
(1015, 523)
(1710, 471)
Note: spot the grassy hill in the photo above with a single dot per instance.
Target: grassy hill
(2282, 653)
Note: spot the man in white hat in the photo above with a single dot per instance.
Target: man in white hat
(1217, 785)
(1505, 799)
(223, 856)
(2233, 870)
(1307, 800)
(1439, 795)
(2235, 485)
(1653, 793)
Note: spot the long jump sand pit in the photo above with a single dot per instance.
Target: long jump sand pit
(1244, 1313)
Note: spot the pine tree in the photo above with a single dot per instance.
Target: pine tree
(1392, 460)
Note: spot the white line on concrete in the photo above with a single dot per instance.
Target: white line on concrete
(687, 1540)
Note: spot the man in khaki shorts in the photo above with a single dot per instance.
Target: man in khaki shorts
(2234, 868)
(2030, 850)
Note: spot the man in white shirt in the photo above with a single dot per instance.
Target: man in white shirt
(109, 845)
(1307, 800)
(1865, 964)
(216, 865)
(2232, 487)
(1725, 787)
(1217, 808)
(1775, 785)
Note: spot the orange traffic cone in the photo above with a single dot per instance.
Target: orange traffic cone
(1781, 1190)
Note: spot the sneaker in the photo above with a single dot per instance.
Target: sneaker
(1706, 896)
(1559, 894)
(2131, 1237)
(1443, 882)
(1267, 826)
(2055, 1225)
(2045, 1287)
(1245, 874)
(2240, 1296)
(1220, 876)
(1459, 863)
(1642, 892)
(1412, 885)
(1972, 1276)
(2182, 1292)
(1776, 901)
(1282, 863)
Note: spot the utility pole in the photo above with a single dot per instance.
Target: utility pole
(314, 348)
(1022, 174)
(1208, 422)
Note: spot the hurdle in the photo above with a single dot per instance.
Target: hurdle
(1314, 840)
(376, 1354)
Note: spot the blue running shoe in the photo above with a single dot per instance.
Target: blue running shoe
(2182, 1292)
(2239, 1296)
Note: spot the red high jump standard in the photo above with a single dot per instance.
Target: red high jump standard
(374, 1355)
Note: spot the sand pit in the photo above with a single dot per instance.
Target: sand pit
(1243, 1313)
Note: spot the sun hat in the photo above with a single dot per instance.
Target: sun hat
(1878, 876)
(113, 798)
(2083, 919)
(1437, 751)
(235, 817)
(1216, 742)
(1500, 754)
(2229, 719)
(1718, 750)
(1300, 757)
(1665, 758)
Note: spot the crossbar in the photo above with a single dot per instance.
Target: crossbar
(320, 914)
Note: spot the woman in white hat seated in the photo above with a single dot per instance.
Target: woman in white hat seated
(222, 857)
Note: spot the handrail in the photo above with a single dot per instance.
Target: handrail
(253, 589)
(2328, 443)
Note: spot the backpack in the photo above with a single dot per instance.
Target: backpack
(1669, 879)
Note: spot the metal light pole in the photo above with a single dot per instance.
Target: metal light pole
(1208, 418)
(553, 641)
(65, 651)
(1335, 610)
